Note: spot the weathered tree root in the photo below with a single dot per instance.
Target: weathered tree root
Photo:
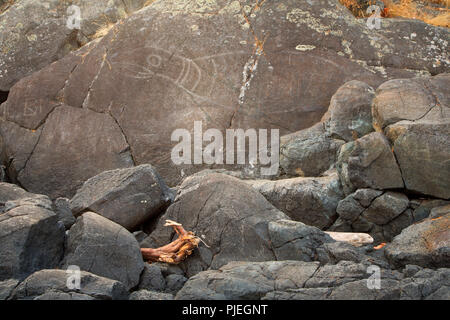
(177, 250)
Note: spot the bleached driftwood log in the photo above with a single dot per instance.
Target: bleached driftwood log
(356, 239)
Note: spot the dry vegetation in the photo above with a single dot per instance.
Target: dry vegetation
(435, 12)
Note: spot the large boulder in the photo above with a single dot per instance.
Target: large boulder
(128, 196)
(426, 244)
(350, 111)
(368, 163)
(422, 149)
(412, 99)
(100, 246)
(312, 201)
(381, 214)
(34, 34)
(53, 285)
(32, 237)
(211, 69)
(229, 215)
(309, 152)
(247, 280)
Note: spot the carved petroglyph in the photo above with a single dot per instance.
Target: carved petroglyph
(198, 77)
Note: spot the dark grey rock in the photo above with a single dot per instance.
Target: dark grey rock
(228, 214)
(350, 111)
(175, 282)
(63, 211)
(52, 284)
(368, 163)
(100, 246)
(128, 196)
(292, 240)
(312, 201)
(6, 288)
(424, 98)
(32, 239)
(422, 150)
(150, 295)
(152, 279)
(425, 244)
(308, 153)
(247, 280)
(386, 207)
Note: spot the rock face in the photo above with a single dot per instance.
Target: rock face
(100, 246)
(412, 99)
(294, 280)
(312, 201)
(309, 152)
(128, 196)
(44, 172)
(32, 238)
(425, 244)
(350, 113)
(33, 34)
(381, 214)
(368, 163)
(52, 285)
(230, 216)
(422, 151)
(138, 87)
(293, 240)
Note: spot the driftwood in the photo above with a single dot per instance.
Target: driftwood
(177, 250)
(356, 239)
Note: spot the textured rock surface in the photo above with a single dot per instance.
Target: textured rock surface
(52, 284)
(368, 163)
(425, 244)
(422, 150)
(7, 287)
(63, 211)
(350, 113)
(32, 238)
(33, 34)
(293, 240)
(127, 196)
(142, 81)
(309, 152)
(230, 216)
(102, 247)
(312, 201)
(152, 278)
(293, 280)
(49, 174)
(150, 295)
(412, 99)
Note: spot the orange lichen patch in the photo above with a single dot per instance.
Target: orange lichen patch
(434, 12)
(438, 233)
(380, 246)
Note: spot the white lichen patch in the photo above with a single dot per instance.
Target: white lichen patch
(305, 47)
(299, 16)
